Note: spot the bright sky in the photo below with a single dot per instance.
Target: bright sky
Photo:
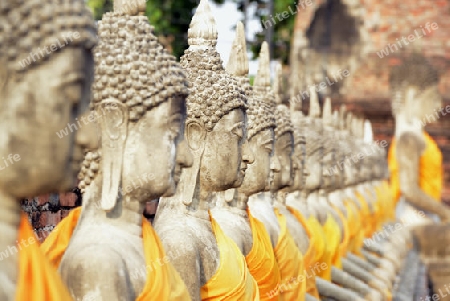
(227, 16)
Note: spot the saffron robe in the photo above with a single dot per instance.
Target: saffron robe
(163, 281)
(344, 241)
(310, 256)
(261, 260)
(232, 280)
(319, 239)
(290, 263)
(430, 169)
(38, 280)
(333, 239)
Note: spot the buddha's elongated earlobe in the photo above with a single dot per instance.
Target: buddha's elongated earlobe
(114, 124)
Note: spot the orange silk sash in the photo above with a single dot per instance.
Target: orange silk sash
(232, 280)
(163, 281)
(38, 279)
(430, 169)
(310, 256)
(261, 260)
(290, 262)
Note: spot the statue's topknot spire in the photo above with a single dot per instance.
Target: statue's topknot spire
(238, 61)
(368, 132)
(327, 113)
(262, 78)
(202, 30)
(314, 106)
(278, 84)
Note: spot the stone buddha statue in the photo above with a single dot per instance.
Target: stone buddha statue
(293, 238)
(261, 204)
(312, 126)
(415, 160)
(332, 202)
(40, 94)
(209, 262)
(139, 95)
(231, 212)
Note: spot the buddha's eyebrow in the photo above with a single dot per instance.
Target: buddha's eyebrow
(176, 117)
(270, 140)
(72, 77)
(237, 125)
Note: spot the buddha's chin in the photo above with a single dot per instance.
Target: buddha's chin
(238, 181)
(171, 190)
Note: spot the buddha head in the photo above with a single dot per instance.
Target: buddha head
(260, 114)
(215, 127)
(312, 126)
(139, 95)
(284, 139)
(45, 79)
(299, 156)
(414, 89)
(329, 148)
(349, 148)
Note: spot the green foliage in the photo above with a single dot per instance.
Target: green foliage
(170, 18)
(99, 7)
(282, 27)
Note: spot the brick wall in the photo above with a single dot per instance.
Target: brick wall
(366, 90)
(46, 211)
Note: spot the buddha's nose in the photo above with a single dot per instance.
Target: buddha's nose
(275, 165)
(184, 156)
(88, 135)
(247, 154)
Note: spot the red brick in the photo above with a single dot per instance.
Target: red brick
(150, 208)
(64, 213)
(42, 234)
(48, 218)
(43, 199)
(67, 199)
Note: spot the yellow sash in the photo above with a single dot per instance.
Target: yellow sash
(38, 280)
(430, 169)
(333, 235)
(232, 280)
(163, 281)
(309, 257)
(261, 260)
(290, 262)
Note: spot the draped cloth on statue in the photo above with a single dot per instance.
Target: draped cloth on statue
(365, 219)
(290, 263)
(333, 238)
(390, 202)
(354, 223)
(232, 280)
(163, 281)
(56, 243)
(343, 243)
(309, 257)
(261, 260)
(430, 169)
(375, 216)
(319, 239)
(38, 279)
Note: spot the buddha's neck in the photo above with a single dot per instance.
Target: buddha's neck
(231, 199)
(335, 197)
(279, 198)
(190, 197)
(9, 226)
(261, 198)
(405, 123)
(127, 215)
